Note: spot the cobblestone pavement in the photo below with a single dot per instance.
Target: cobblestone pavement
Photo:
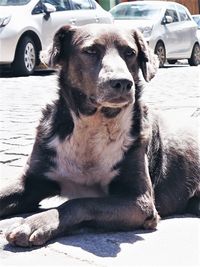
(175, 90)
(20, 108)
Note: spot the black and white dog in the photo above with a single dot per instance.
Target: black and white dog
(100, 145)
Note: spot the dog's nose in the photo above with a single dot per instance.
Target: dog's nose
(121, 85)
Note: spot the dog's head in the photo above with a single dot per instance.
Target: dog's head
(104, 62)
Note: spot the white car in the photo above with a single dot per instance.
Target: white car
(167, 26)
(28, 26)
(196, 18)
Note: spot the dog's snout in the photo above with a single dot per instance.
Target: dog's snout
(122, 85)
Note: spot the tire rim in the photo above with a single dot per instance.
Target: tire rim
(160, 51)
(29, 57)
(197, 54)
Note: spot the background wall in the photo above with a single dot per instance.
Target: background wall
(192, 5)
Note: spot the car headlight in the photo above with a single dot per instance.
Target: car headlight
(4, 21)
(147, 31)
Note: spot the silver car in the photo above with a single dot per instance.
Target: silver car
(196, 18)
(28, 26)
(167, 26)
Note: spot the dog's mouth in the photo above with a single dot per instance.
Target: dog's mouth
(115, 102)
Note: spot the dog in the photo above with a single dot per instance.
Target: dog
(100, 145)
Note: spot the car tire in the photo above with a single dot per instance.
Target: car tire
(172, 61)
(161, 53)
(195, 57)
(25, 57)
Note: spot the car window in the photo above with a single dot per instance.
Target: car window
(183, 14)
(14, 2)
(82, 4)
(172, 13)
(38, 9)
(136, 11)
(60, 5)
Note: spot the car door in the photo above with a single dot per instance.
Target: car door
(187, 31)
(172, 34)
(62, 16)
(48, 24)
(84, 12)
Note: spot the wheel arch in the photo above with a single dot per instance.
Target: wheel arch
(159, 41)
(192, 60)
(36, 41)
(196, 43)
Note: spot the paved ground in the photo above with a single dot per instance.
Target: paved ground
(176, 91)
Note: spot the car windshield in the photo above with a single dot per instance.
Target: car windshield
(136, 11)
(14, 2)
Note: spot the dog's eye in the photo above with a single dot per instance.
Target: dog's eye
(90, 50)
(129, 52)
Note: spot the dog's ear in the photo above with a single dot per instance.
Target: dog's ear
(148, 61)
(59, 51)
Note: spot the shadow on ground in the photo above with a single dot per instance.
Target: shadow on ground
(101, 244)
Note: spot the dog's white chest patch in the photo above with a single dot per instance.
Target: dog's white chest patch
(86, 158)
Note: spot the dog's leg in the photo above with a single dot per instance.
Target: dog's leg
(25, 194)
(130, 205)
(110, 213)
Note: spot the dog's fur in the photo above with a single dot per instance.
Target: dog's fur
(100, 145)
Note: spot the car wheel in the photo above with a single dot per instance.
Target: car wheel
(172, 61)
(25, 57)
(195, 57)
(161, 53)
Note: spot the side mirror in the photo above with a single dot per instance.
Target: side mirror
(167, 20)
(48, 9)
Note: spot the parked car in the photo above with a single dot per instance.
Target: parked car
(196, 18)
(28, 26)
(167, 26)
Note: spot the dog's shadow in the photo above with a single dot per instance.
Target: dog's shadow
(101, 244)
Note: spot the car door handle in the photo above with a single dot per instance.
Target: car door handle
(73, 21)
(97, 19)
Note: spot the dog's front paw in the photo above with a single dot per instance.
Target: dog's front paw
(26, 235)
(35, 230)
